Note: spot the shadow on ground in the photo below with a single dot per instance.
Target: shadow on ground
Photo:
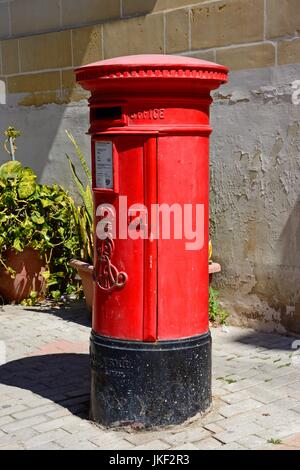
(266, 341)
(61, 378)
(75, 312)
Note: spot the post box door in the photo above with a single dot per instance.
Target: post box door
(183, 273)
(166, 289)
(120, 309)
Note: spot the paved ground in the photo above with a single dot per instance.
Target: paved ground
(44, 390)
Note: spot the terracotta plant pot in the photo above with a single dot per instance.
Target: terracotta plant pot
(212, 269)
(85, 271)
(29, 267)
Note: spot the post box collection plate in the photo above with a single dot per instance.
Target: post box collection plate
(150, 344)
(104, 164)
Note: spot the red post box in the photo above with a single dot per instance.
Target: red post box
(150, 344)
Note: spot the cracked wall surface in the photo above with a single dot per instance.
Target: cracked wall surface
(255, 197)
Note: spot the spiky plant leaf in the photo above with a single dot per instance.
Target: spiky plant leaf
(80, 156)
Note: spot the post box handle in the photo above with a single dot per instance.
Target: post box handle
(107, 275)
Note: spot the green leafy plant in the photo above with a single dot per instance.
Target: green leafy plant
(216, 313)
(274, 441)
(85, 211)
(42, 217)
(32, 300)
(227, 380)
(11, 135)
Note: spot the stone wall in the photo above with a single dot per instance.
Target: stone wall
(255, 147)
(242, 34)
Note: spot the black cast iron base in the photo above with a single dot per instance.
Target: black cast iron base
(149, 384)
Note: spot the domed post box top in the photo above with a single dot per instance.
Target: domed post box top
(150, 71)
(123, 87)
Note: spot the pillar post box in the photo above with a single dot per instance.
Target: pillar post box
(150, 342)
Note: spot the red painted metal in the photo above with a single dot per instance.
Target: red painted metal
(183, 274)
(150, 267)
(155, 111)
(119, 313)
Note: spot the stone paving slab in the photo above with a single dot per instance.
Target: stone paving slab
(44, 390)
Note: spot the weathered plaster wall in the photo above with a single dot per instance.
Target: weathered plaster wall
(43, 144)
(255, 198)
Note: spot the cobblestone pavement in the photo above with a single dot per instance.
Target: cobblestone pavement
(44, 389)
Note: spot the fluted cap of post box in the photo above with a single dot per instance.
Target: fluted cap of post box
(150, 71)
